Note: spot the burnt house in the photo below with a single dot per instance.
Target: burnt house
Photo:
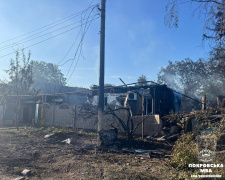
(151, 99)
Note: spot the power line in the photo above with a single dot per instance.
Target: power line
(73, 15)
(46, 39)
(22, 41)
(68, 52)
(76, 38)
(80, 45)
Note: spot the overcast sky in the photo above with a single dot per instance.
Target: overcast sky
(137, 41)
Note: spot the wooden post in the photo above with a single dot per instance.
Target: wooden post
(154, 102)
(4, 110)
(17, 114)
(204, 102)
(68, 98)
(42, 110)
(218, 102)
(75, 117)
(53, 116)
(143, 109)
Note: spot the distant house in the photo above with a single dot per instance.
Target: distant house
(26, 109)
(29, 106)
(3, 88)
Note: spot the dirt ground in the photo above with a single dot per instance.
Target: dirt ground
(49, 158)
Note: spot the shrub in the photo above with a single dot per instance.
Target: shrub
(184, 152)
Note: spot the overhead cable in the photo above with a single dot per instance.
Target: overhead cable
(46, 39)
(71, 16)
(22, 41)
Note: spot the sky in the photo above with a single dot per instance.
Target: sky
(136, 39)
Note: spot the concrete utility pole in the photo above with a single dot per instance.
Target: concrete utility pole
(102, 70)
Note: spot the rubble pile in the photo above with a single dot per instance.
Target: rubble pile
(221, 142)
(175, 125)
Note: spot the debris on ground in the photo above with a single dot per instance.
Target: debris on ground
(135, 158)
(174, 130)
(49, 135)
(221, 142)
(48, 158)
(142, 151)
(26, 172)
(108, 137)
(20, 178)
(173, 137)
(156, 154)
(67, 141)
(161, 139)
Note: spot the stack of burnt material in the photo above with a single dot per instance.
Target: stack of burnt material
(197, 121)
(108, 137)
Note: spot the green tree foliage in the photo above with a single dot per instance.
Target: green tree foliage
(47, 77)
(213, 82)
(185, 76)
(27, 76)
(216, 79)
(184, 152)
(142, 80)
(94, 86)
(197, 78)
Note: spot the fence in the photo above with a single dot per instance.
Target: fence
(71, 116)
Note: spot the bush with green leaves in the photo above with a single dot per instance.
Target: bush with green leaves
(184, 152)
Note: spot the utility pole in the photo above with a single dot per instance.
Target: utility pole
(102, 71)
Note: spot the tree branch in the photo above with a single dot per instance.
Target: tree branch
(208, 1)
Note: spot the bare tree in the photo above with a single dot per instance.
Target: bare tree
(212, 10)
(89, 111)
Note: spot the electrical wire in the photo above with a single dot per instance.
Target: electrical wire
(68, 52)
(80, 46)
(79, 54)
(71, 16)
(22, 41)
(46, 39)
(82, 18)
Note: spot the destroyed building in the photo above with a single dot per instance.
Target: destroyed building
(148, 103)
(152, 99)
